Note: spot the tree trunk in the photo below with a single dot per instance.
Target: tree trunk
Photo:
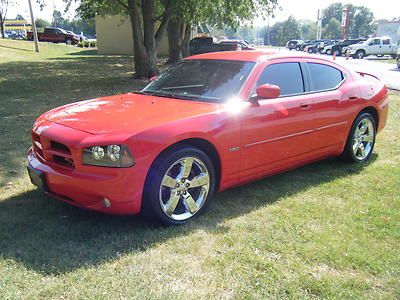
(2, 26)
(145, 39)
(149, 38)
(186, 38)
(174, 49)
(139, 50)
(178, 40)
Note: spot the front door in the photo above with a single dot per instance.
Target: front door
(280, 129)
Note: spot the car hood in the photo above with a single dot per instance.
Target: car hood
(125, 113)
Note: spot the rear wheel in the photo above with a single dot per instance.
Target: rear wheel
(179, 186)
(361, 140)
(329, 52)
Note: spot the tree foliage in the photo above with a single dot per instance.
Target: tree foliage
(333, 29)
(289, 30)
(361, 19)
(150, 18)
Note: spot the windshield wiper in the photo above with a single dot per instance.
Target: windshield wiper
(165, 95)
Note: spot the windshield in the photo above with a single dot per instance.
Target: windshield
(202, 80)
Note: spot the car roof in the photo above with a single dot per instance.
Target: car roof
(253, 55)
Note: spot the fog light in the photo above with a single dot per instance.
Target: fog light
(106, 203)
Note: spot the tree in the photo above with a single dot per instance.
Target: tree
(308, 29)
(218, 13)
(289, 30)
(333, 29)
(361, 19)
(19, 17)
(149, 20)
(332, 11)
(41, 23)
(4, 5)
(361, 22)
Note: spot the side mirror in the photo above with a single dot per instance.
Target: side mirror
(268, 91)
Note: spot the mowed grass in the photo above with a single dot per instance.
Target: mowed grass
(327, 230)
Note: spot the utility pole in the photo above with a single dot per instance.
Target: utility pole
(268, 43)
(35, 37)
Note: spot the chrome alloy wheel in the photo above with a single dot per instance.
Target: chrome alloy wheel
(363, 139)
(184, 188)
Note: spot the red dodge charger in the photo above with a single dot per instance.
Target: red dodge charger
(211, 122)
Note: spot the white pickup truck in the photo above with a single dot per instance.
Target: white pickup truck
(378, 46)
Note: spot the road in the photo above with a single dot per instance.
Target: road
(388, 72)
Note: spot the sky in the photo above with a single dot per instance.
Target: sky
(301, 9)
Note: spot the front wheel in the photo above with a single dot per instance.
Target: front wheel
(68, 42)
(179, 186)
(360, 54)
(361, 140)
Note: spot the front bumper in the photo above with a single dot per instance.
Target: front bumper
(90, 189)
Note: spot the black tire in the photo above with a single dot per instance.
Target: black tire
(151, 203)
(338, 53)
(297, 48)
(68, 42)
(360, 54)
(348, 153)
(328, 52)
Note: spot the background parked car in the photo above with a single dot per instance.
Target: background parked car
(338, 48)
(398, 58)
(378, 46)
(309, 43)
(201, 45)
(243, 44)
(55, 35)
(293, 43)
(15, 35)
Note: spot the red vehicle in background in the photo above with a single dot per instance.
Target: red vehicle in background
(211, 122)
(55, 35)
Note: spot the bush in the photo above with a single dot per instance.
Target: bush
(87, 44)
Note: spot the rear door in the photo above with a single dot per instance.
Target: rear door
(333, 98)
(375, 47)
(277, 130)
(387, 46)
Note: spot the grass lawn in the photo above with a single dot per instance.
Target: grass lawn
(327, 230)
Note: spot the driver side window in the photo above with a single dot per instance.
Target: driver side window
(287, 76)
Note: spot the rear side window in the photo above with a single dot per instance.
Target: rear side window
(386, 42)
(324, 77)
(287, 76)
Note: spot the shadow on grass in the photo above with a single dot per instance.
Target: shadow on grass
(85, 52)
(15, 48)
(53, 238)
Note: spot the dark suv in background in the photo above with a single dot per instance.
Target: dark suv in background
(338, 47)
(293, 43)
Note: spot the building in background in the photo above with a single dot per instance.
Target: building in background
(391, 29)
(17, 25)
(114, 36)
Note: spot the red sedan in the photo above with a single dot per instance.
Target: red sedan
(212, 122)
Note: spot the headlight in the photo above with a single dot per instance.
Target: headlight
(117, 156)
